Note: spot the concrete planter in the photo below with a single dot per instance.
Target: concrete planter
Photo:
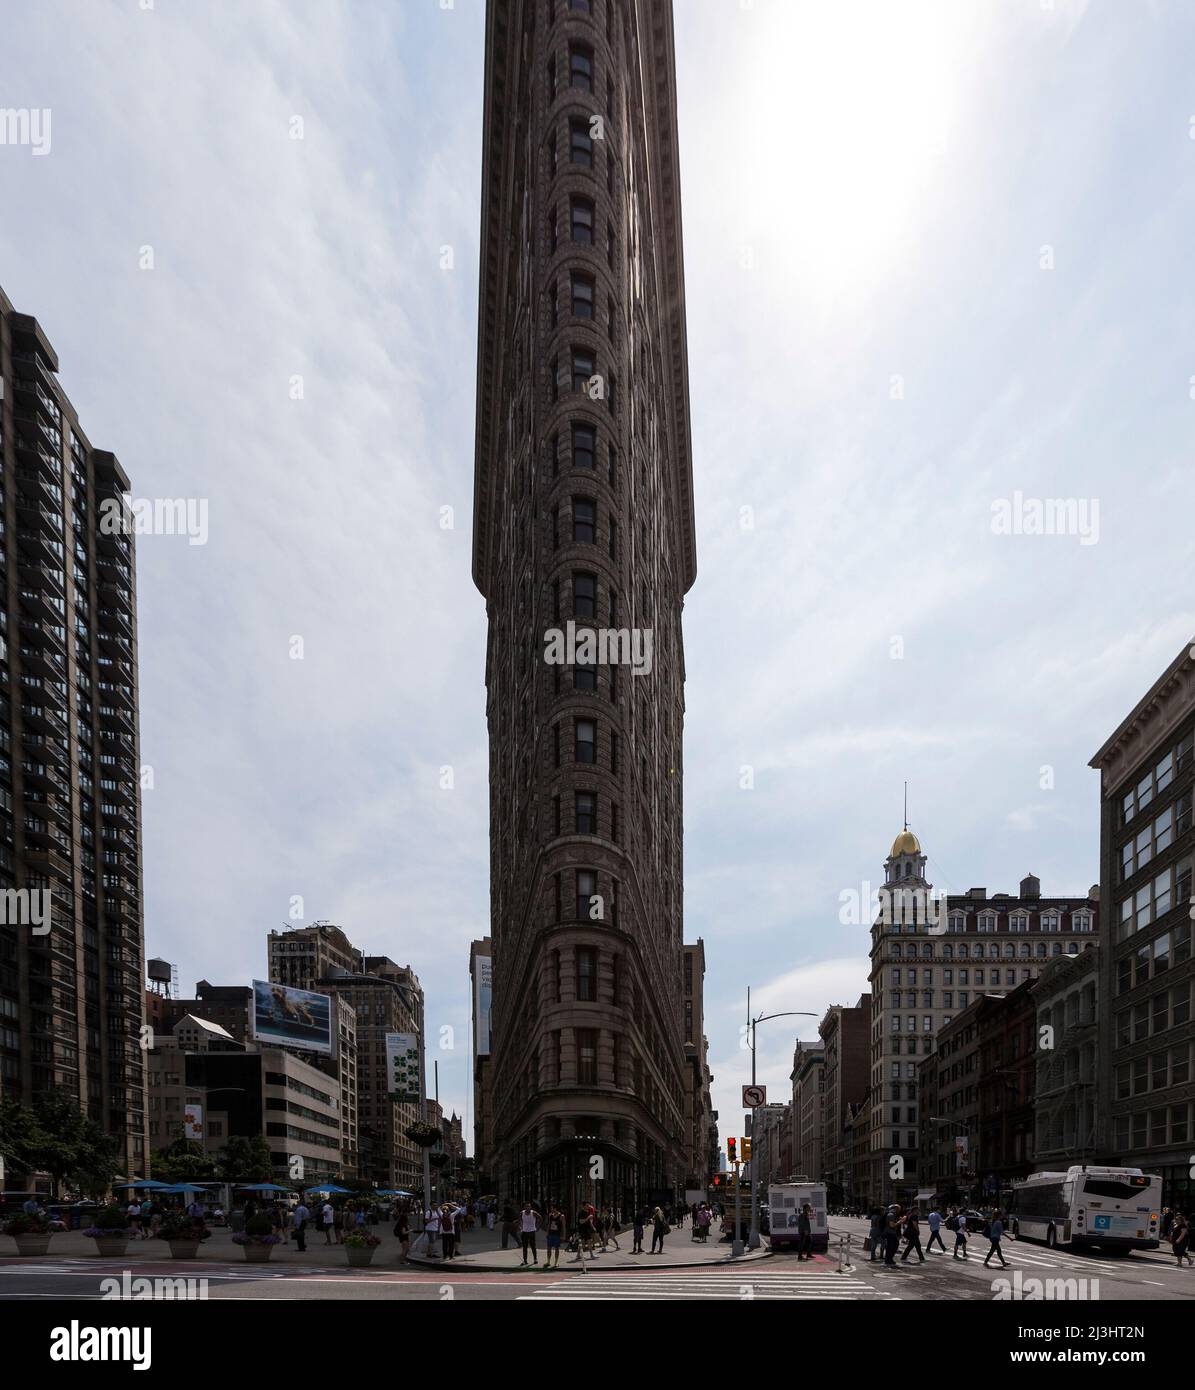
(111, 1247)
(256, 1253)
(360, 1255)
(184, 1249)
(32, 1245)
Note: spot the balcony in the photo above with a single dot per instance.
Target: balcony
(46, 719)
(47, 859)
(41, 603)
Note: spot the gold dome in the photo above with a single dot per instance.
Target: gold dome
(905, 843)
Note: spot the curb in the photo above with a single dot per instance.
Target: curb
(747, 1257)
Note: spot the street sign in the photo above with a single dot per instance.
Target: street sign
(754, 1096)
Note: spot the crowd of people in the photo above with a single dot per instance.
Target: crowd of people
(892, 1225)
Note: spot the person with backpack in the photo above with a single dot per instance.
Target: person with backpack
(891, 1236)
(912, 1236)
(994, 1233)
(957, 1223)
(301, 1215)
(637, 1245)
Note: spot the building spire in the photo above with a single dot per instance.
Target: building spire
(906, 805)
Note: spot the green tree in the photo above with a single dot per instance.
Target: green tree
(184, 1161)
(19, 1136)
(57, 1138)
(245, 1159)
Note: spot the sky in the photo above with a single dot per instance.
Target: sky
(938, 272)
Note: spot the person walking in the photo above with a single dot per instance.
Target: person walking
(995, 1232)
(637, 1233)
(609, 1229)
(659, 1229)
(301, 1217)
(892, 1235)
(431, 1225)
(935, 1231)
(957, 1223)
(554, 1236)
(912, 1236)
(508, 1222)
(448, 1224)
(327, 1219)
(402, 1229)
(1180, 1238)
(134, 1214)
(528, 1225)
(805, 1233)
(876, 1235)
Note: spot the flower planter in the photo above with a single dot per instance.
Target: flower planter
(184, 1249)
(256, 1253)
(111, 1247)
(360, 1256)
(32, 1245)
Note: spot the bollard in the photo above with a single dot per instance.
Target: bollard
(844, 1267)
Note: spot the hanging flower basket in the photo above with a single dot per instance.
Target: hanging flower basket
(423, 1135)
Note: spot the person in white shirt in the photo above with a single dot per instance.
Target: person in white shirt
(431, 1225)
(528, 1225)
(449, 1219)
(327, 1218)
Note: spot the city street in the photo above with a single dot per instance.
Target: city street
(321, 1273)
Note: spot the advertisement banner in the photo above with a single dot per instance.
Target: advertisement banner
(484, 989)
(286, 1017)
(402, 1067)
(193, 1122)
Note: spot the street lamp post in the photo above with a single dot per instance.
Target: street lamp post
(753, 1239)
(423, 1115)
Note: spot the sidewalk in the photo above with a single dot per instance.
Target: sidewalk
(481, 1249)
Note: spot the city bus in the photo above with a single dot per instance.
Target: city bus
(785, 1200)
(1113, 1208)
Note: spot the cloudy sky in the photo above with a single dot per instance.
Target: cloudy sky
(937, 256)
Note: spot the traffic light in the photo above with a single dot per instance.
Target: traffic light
(717, 1179)
(746, 1143)
(731, 1156)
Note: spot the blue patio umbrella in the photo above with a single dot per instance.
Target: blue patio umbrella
(147, 1183)
(260, 1187)
(180, 1187)
(330, 1188)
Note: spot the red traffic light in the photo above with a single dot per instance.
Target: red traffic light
(731, 1150)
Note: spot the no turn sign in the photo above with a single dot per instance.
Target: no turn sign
(754, 1096)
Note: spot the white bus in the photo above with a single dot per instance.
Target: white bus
(1114, 1208)
(785, 1200)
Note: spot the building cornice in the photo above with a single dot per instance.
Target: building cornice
(1152, 720)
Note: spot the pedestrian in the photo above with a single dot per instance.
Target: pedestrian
(659, 1229)
(528, 1225)
(891, 1236)
(338, 1215)
(805, 1233)
(1180, 1238)
(554, 1236)
(508, 1222)
(301, 1215)
(935, 1231)
(957, 1222)
(134, 1214)
(431, 1224)
(637, 1232)
(609, 1229)
(912, 1236)
(489, 1216)
(875, 1236)
(402, 1229)
(449, 1217)
(994, 1233)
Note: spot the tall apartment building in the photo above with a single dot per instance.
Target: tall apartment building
(481, 973)
(845, 1035)
(71, 1000)
(808, 1079)
(308, 958)
(1067, 1099)
(583, 514)
(1147, 848)
(386, 998)
(930, 959)
(700, 1128)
